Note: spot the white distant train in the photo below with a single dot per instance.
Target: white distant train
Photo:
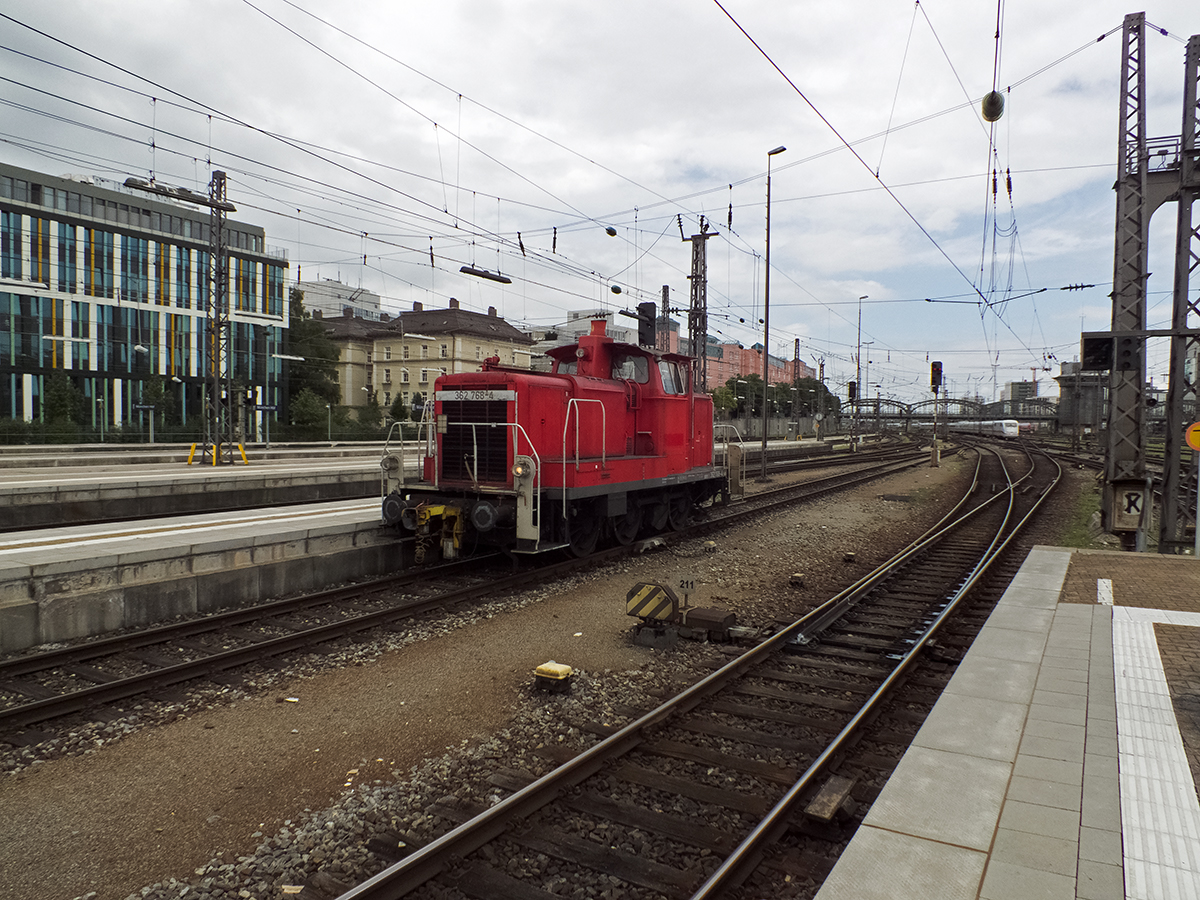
(1006, 427)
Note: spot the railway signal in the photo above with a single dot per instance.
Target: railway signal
(645, 315)
(935, 376)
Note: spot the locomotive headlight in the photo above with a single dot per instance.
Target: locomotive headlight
(523, 469)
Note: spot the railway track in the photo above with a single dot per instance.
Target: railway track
(722, 790)
(79, 678)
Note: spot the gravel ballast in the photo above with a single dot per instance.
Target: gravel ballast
(239, 792)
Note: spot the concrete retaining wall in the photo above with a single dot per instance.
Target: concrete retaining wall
(73, 598)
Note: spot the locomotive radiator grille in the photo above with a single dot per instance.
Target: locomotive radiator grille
(477, 451)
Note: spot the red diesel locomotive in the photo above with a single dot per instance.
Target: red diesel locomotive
(613, 442)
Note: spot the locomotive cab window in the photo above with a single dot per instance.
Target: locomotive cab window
(631, 368)
(674, 378)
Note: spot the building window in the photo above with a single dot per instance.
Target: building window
(10, 245)
(135, 269)
(404, 377)
(66, 257)
(424, 351)
(162, 274)
(424, 376)
(387, 398)
(404, 352)
(98, 263)
(387, 352)
(183, 277)
(445, 353)
(478, 352)
(39, 247)
(387, 376)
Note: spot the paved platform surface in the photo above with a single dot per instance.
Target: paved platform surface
(1063, 758)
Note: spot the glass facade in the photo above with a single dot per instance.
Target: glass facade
(117, 300)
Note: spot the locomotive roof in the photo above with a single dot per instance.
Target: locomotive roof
(567, 351)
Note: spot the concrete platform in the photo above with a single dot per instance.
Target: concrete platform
(50, 489)
(1061, 761)
(58, 585)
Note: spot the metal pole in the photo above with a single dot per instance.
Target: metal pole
(767, 316)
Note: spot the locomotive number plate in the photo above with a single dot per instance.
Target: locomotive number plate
(476, 395)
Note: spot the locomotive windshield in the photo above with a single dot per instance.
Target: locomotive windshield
(630, 367)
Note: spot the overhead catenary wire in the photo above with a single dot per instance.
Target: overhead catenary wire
(643, 223)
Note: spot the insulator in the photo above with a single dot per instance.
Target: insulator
(993, 106)
(1008, 178)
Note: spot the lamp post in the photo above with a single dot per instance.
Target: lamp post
(746, 416)
(857, 375)
(767, 315)
(820, 395)
(329, 407)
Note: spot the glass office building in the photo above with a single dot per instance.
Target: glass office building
(110, 286)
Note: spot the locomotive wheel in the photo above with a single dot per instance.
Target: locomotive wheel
(656, 521)
(583, 529)
(625, 528)
(679, 512)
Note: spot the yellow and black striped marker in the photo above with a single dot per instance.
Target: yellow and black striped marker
(651, 601)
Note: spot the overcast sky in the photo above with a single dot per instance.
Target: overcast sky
(387, 129)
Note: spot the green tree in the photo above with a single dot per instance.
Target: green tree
(746, 391)
(63, 402)
(418, 406)
(310, 416)
(398, 411)
(723, 398)
(370, 416)
(307, 338)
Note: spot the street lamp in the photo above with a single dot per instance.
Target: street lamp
(857, 374)
(746, 415)
(329, 407)
(767, 315)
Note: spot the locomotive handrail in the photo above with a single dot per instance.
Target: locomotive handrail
(573, 404)
(725, 451)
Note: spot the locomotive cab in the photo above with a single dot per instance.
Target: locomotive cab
(612, 443)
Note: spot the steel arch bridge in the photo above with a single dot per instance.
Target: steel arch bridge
(887, 411)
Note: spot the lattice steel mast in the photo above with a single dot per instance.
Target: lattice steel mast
(698, 311)
(1178, 488)
(218, 343)
(1125, 465)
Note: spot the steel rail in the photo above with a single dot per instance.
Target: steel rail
(42, 710)
(435, 857)
(52, 707)
(158, 634)
(748, 853)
